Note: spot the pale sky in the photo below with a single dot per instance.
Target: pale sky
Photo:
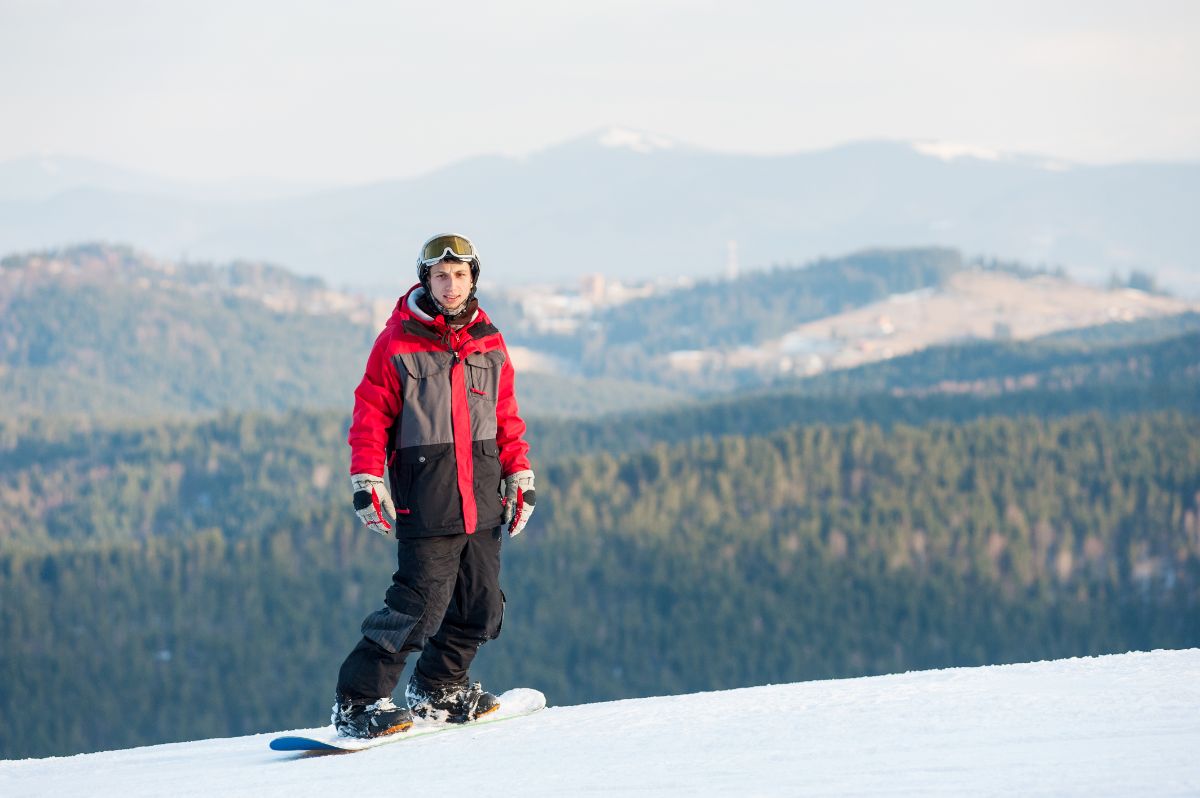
(362, 90)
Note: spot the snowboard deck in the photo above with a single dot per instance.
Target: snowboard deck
(515, 703)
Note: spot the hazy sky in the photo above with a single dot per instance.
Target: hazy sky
(359, 90)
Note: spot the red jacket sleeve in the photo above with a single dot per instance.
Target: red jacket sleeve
(510, 429)
(376, 405)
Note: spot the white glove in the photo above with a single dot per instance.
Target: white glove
(371, 501)
(518, 501)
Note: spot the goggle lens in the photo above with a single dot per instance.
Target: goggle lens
(443, 246)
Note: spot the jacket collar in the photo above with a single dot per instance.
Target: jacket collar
(407, 317)
(410, 302)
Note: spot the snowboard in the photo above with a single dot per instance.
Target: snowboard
(515, 703)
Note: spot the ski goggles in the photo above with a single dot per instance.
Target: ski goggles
(441, 247)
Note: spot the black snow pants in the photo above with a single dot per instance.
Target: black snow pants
(445, 602)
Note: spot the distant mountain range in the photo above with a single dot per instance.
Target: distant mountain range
(630, 205)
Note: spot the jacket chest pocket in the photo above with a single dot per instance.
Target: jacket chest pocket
(483, 375)
(426, 394)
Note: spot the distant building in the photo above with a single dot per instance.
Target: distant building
(592, 287)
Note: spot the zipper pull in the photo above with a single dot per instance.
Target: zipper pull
(450, 340)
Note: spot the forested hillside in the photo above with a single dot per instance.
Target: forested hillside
(1169, 353)
(1046, 379)
(66, 484)
(100, 330)
(631, 338)
(813, 551)
(105, 331)
(129, 480)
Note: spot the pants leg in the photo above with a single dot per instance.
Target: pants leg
(474, 615)
(422, 586)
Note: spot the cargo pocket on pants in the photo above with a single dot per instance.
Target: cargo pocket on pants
(492, 635)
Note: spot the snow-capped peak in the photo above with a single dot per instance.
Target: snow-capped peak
(950, 150)
(635, 140)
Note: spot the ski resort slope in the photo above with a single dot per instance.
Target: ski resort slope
(1116, 725)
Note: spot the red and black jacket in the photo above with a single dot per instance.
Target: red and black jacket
(436, 408)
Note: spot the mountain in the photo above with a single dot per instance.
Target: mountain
(108, 330)
(787, 324)
(1114, 725)
(631, 205)
(99, 329)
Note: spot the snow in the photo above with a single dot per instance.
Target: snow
(951, 150)
(1116, 725)
(635, 140)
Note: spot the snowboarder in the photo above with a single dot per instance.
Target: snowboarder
(438, 446)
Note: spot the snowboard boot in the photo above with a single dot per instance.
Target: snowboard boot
(358, 718)
(451, 703)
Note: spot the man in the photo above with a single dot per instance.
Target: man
(436, 411)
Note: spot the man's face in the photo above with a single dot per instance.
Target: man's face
(450, 281)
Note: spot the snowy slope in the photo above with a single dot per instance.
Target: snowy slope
(1116, 725)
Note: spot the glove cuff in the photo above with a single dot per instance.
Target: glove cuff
(524, 478)
(364, 481)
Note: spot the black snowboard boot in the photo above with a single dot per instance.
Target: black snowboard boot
(453, 703)
(358, 718)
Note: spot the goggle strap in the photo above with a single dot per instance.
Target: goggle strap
(449, 254)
